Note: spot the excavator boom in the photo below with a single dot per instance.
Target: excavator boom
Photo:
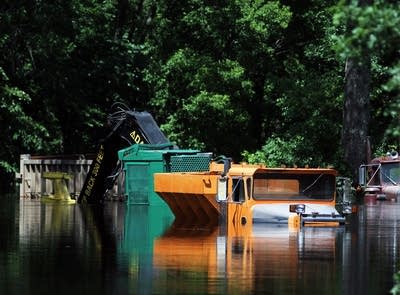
(128, 127)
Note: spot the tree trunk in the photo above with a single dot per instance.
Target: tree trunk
(356, 114)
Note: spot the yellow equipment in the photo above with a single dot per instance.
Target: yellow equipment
(60, 190)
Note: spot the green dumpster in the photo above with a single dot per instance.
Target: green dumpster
(141, 161)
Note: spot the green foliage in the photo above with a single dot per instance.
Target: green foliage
(74, 60)
(375, 34)
(375, 28)
(65, 63)
(204, 102)
(279, 152)
(214, 52)
(259, 79)
(393, 109)
(384, 147)
(264, 17)
(18, 132)
(305, 93)
(288, 152)
(396, 288)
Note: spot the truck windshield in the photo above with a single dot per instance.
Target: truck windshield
(278, 186)
(390, 173)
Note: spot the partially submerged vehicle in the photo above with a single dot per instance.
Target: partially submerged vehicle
(243, 194)
(380, 179)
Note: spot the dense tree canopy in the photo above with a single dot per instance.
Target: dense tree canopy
(261, 81)
(369, 48)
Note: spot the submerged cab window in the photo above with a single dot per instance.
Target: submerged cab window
(238, 190)
(274, 186)
(390, 173)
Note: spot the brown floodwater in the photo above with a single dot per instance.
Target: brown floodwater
(121, 249)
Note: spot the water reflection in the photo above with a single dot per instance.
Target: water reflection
(62, 248)
(274, 259)
(277, 259)
(143, 224)
(120, 249)
(376, 249)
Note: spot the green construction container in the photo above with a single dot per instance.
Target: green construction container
(141, 161)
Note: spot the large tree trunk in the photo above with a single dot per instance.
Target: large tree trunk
(356, 114)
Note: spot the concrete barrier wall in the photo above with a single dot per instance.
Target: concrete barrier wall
(33, 185)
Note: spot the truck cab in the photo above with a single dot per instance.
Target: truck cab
(294, 196)
(380, 179)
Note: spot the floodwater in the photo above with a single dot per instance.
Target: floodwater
(121, 249)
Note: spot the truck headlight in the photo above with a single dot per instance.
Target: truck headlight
(380, 196)
(347, 210)
(297, 208)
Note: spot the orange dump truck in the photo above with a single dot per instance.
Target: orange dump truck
(243, 194)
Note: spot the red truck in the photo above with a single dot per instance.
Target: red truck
(380, 179)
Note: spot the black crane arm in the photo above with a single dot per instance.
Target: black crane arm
(128, 127)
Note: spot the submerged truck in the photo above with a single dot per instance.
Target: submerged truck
(238, 195)
(380, 178)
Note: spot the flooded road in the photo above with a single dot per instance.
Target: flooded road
(121, 249)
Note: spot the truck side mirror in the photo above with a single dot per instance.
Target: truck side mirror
(222, 189)
(362, 177)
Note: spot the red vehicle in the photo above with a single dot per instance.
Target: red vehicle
(380, 179)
